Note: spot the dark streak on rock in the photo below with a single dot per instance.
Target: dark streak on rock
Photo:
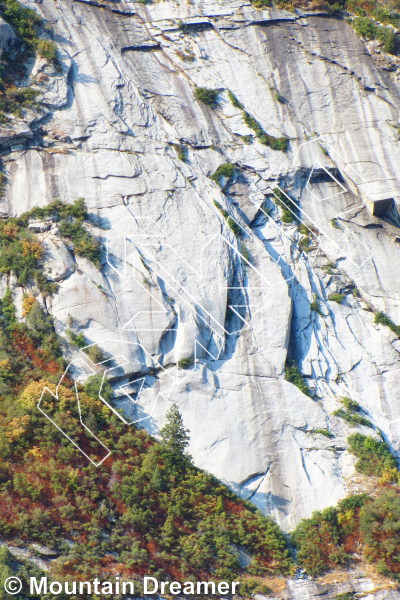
(143, 48)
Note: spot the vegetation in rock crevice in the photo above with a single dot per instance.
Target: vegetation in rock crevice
(351, 414)
(328, 268)
(324, 432)
(293, 375)
(231, 223)
(234, 101)
(305, 244)
(315, 306)
(181, 152)
(185, 363)
(276, 143)
(283, 200)
(336, 297)
(382, 319)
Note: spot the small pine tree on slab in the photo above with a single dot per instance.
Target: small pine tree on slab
(174, 435)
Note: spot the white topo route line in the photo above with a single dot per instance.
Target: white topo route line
(142, 242)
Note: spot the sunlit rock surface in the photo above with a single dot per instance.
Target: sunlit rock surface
(176, 283)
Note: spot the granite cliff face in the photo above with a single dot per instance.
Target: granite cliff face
(176, 282)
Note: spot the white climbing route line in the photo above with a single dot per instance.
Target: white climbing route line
(137, 251)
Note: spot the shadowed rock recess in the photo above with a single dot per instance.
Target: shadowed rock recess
(278, 265)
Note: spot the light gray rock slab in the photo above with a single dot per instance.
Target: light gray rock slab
(57, 260)
(129, 98)
(39, 226)
(8, 37)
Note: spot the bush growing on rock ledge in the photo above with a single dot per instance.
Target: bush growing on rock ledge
(365, 27)
(293, 375)
(351, 415)
(225, 170)
(13, 99)
(48, 50)
(315, 306)
(181, 152)
(368, 29)
(84, 243)
(57, 209)
(234, 101)
(185, 363)
(206, 96)
(281, 143)
(336, 297)
(352, 419)
(284, 201)
(95, 385)
(77, 339)
(374, 457)
(21, 253)
(351, 405)
(391, 44)
(3, 181)
(324, 432)
(232, 224)
(25, 21)
(382, 319)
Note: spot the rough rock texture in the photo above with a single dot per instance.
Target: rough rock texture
(174, 282)
(8, 36)
(357, 583)
(59, 263)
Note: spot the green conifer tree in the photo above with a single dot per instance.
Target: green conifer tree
(157, 481)
(174, 436)
(390, 44)
(168, 532)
